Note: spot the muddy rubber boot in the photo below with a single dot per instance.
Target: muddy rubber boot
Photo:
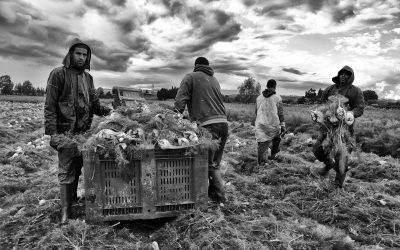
(275, 148)
(216, 186)
(65, 198)
(339, 180)
(323, 171)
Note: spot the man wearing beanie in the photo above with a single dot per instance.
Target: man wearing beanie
(69, 107)
(270, 122)
(201, 93)
(343, 85)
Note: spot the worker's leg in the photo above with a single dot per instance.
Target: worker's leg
(78, 163)
(222, 136)
(275, 147)
(321, 156)
(261, 151)
(216, 186)
(341, 167)
(67, 154)
(339, 179)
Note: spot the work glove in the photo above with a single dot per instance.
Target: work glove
(61, 142)
(349, 119)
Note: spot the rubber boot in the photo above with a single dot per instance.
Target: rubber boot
(339, 179)
(275, 148)
(65, 198)
(216, 186)
(74, 189)
(261, 152)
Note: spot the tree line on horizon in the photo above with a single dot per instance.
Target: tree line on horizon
(248, 91)
(7, 87)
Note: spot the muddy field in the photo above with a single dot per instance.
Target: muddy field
(281, 205)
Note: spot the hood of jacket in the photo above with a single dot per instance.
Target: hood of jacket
(204, 68)
(268, 92)
(349, 81)
(68, 58)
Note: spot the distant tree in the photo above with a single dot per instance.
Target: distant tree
(40, 91)
(7, 88)
(6, 85)
(108, 95)
(237, 98)
(100, 92)
(5, 79)
(226, 98)
(370, 96)
(162, 94)
(311, 94)
(249, 90)
(172, 93)
(27, 88)
(18, 89)
(302, 100)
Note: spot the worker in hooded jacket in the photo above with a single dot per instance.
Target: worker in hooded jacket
(343, 85)
(70, 105)
(270, 122)
(201, 92)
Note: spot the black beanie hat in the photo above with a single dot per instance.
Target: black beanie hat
(201, 60)
(271, 83)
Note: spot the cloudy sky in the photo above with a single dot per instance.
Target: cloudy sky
(300, 43)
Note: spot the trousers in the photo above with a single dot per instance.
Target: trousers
(219, 131)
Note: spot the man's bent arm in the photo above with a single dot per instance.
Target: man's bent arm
(358, 104)
(280, 113)
(183, 95)
(96, 107)
(50, 105)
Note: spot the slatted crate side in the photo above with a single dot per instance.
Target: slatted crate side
(174, 180)
(164, 183)
(93, 187)
(121, 189)
(107, 191)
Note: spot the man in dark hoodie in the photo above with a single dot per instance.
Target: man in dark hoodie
(270, 122)
(201, 92)
(69, 107)
(343, 85)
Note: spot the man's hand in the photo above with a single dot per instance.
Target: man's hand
(349, 119)
(283, 128)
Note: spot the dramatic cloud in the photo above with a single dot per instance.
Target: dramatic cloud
(210, 28)
(374, 21)
(295, 85)
(106, 58)
(152, 42)
(361, 44)
(342, 14)
(293, 71)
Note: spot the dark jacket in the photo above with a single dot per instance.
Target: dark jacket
(201, 92)
(62, 111)
(353, 93)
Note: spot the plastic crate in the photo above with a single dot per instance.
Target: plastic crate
(163, 184)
